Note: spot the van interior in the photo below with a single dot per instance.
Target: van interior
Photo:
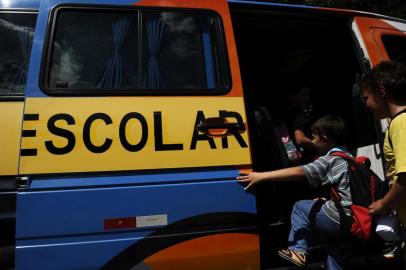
(279, 51)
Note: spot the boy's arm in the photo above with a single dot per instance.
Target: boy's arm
(302, 140)
(288, 174)
(392, 198)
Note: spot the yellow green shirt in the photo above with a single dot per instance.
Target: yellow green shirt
(395, 155)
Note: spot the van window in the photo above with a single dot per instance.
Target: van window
(181, 51)
(395, 46)
(16, 33)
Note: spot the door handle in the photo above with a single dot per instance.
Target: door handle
(219, 127)
(23, 181)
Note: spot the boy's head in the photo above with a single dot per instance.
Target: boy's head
(329, 131)
(384, 84)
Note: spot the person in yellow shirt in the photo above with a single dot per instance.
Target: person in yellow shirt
(383, 90)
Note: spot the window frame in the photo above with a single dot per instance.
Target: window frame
(17, 96)
(224, 65)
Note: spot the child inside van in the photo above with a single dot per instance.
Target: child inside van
(383, 90)
(319, 219)
(298, 119)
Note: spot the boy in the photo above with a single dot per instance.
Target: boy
(383, 90)
(318, 218)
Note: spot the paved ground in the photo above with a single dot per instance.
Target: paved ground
(376, 262)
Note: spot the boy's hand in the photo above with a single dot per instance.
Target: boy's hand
(377, 207)
(250, 179)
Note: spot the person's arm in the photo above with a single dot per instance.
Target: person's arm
(392, 198)
(302, 140)
(288, 174)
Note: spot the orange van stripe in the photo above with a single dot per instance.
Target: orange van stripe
(222, 251)
(365, 25)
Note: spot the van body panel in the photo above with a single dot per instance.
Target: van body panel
(130, 182)
(380, 33)
(226, 251)
(398, 25)
(149, 125)
(20, 4)
(237, 256)
(367, 27)
(171, 208)
(10, 121)
(79, 211)
(167, 209)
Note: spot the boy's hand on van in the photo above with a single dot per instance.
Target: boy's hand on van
(250, 179)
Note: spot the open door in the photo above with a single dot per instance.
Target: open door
(121, 175)
(379, 39)
(281, 49)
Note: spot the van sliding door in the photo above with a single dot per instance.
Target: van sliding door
(123, 173)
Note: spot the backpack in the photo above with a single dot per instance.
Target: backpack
(365, 188)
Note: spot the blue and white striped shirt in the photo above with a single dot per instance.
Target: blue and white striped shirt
(328, 170)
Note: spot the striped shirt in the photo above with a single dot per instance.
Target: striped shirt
(328, 170)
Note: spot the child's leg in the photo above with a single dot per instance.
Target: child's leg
(309, 223)
(300, 225)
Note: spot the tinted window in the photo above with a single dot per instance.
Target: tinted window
(185, 47)
(104, 54)
(169, 52)
(395, 47)
(16, 34)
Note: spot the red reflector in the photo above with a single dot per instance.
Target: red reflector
(120, 223)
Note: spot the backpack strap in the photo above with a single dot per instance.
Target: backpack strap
(342, 155)
(389, 137)
(345, 221)
(333, 189)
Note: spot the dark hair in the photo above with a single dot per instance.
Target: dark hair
(332, 126)
(389, 74)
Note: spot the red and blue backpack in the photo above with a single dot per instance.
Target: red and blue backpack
(365, 188)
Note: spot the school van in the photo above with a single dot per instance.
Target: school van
(124, 125)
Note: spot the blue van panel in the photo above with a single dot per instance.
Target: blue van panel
(52, 223)
(139, 178)
(90, 254)
(57, 212)
(19, 4)
(104, 253)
